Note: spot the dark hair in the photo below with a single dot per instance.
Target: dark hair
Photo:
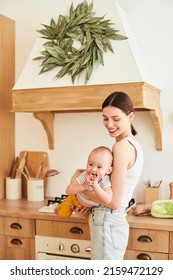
(122, 101)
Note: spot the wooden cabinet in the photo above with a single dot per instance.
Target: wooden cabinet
(2, 247)
(147, 244)
(45, 102)
(20, 222)
(7, 79)
(63, 229)
(171, 247)
(17, 237)
(149, 239)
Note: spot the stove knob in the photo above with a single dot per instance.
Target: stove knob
(61, 247)
(88, 250)
(75, 248)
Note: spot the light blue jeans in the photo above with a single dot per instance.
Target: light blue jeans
(109, 231)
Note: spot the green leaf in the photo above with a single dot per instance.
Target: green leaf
(118, 37)
(100, 57)
(98, 41)
(52, 52)
(89, 70)
(107, 45)
(47, 67)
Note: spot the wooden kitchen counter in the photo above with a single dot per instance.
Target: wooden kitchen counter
(149, 222)
(23, 208)
(27, 209)
(20, 221)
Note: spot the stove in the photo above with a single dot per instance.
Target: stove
(52, 203)
(58, 248)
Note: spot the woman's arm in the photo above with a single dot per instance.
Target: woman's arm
(100, 196)
(104, 196)
(124, 155)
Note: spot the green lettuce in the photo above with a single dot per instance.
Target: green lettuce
(162, 208)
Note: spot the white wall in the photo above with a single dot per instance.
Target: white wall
(76, 134)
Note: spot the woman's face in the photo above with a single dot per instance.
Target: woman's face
(117, 122)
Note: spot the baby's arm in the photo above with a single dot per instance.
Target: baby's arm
(101, 195)
(74, 187)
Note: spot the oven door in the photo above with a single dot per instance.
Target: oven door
(56, 248)
(49, 256)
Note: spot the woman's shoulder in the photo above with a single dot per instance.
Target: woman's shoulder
(121, 145)
(125, 146)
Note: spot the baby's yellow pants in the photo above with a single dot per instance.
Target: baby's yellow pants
(64, 209)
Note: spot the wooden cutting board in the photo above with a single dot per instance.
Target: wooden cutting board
(33, 162)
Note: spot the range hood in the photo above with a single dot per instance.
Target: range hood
(125, 70)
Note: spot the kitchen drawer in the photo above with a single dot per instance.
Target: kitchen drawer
(144, 255)
(18, 226)
(18, 248)
(1, 225)
(62, 229)
(2, 247)
(170, 256)
(171, 243)
(149, 240)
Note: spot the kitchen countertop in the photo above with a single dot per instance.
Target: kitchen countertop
(149, 222)
(23, 208)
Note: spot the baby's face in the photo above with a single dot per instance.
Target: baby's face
(99, 164)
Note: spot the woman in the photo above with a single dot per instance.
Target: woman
(108, 225)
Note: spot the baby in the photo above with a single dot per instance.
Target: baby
(95, 178)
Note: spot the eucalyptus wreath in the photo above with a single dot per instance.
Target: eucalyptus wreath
(81, 26)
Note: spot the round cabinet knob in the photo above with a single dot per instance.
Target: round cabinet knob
(75, 248)
(61, 247)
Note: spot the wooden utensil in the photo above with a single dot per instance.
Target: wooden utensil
(44, 171)
(51, 172)
(22, 161)
(14, 168)
(33, 160)
(39, 170)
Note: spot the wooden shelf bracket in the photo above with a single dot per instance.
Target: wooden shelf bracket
(47, 120)
(157, 120)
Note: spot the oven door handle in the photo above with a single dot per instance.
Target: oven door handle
(76, 230)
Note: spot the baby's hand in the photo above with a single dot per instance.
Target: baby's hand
(92, 179)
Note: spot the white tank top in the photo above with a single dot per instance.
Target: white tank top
(133, 174)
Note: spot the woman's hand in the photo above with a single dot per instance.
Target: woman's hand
(81, 211)
(56, 210)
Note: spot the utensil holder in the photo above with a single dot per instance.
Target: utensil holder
(171, 190)
(35, 189)
(13, 188)
(152, 194)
